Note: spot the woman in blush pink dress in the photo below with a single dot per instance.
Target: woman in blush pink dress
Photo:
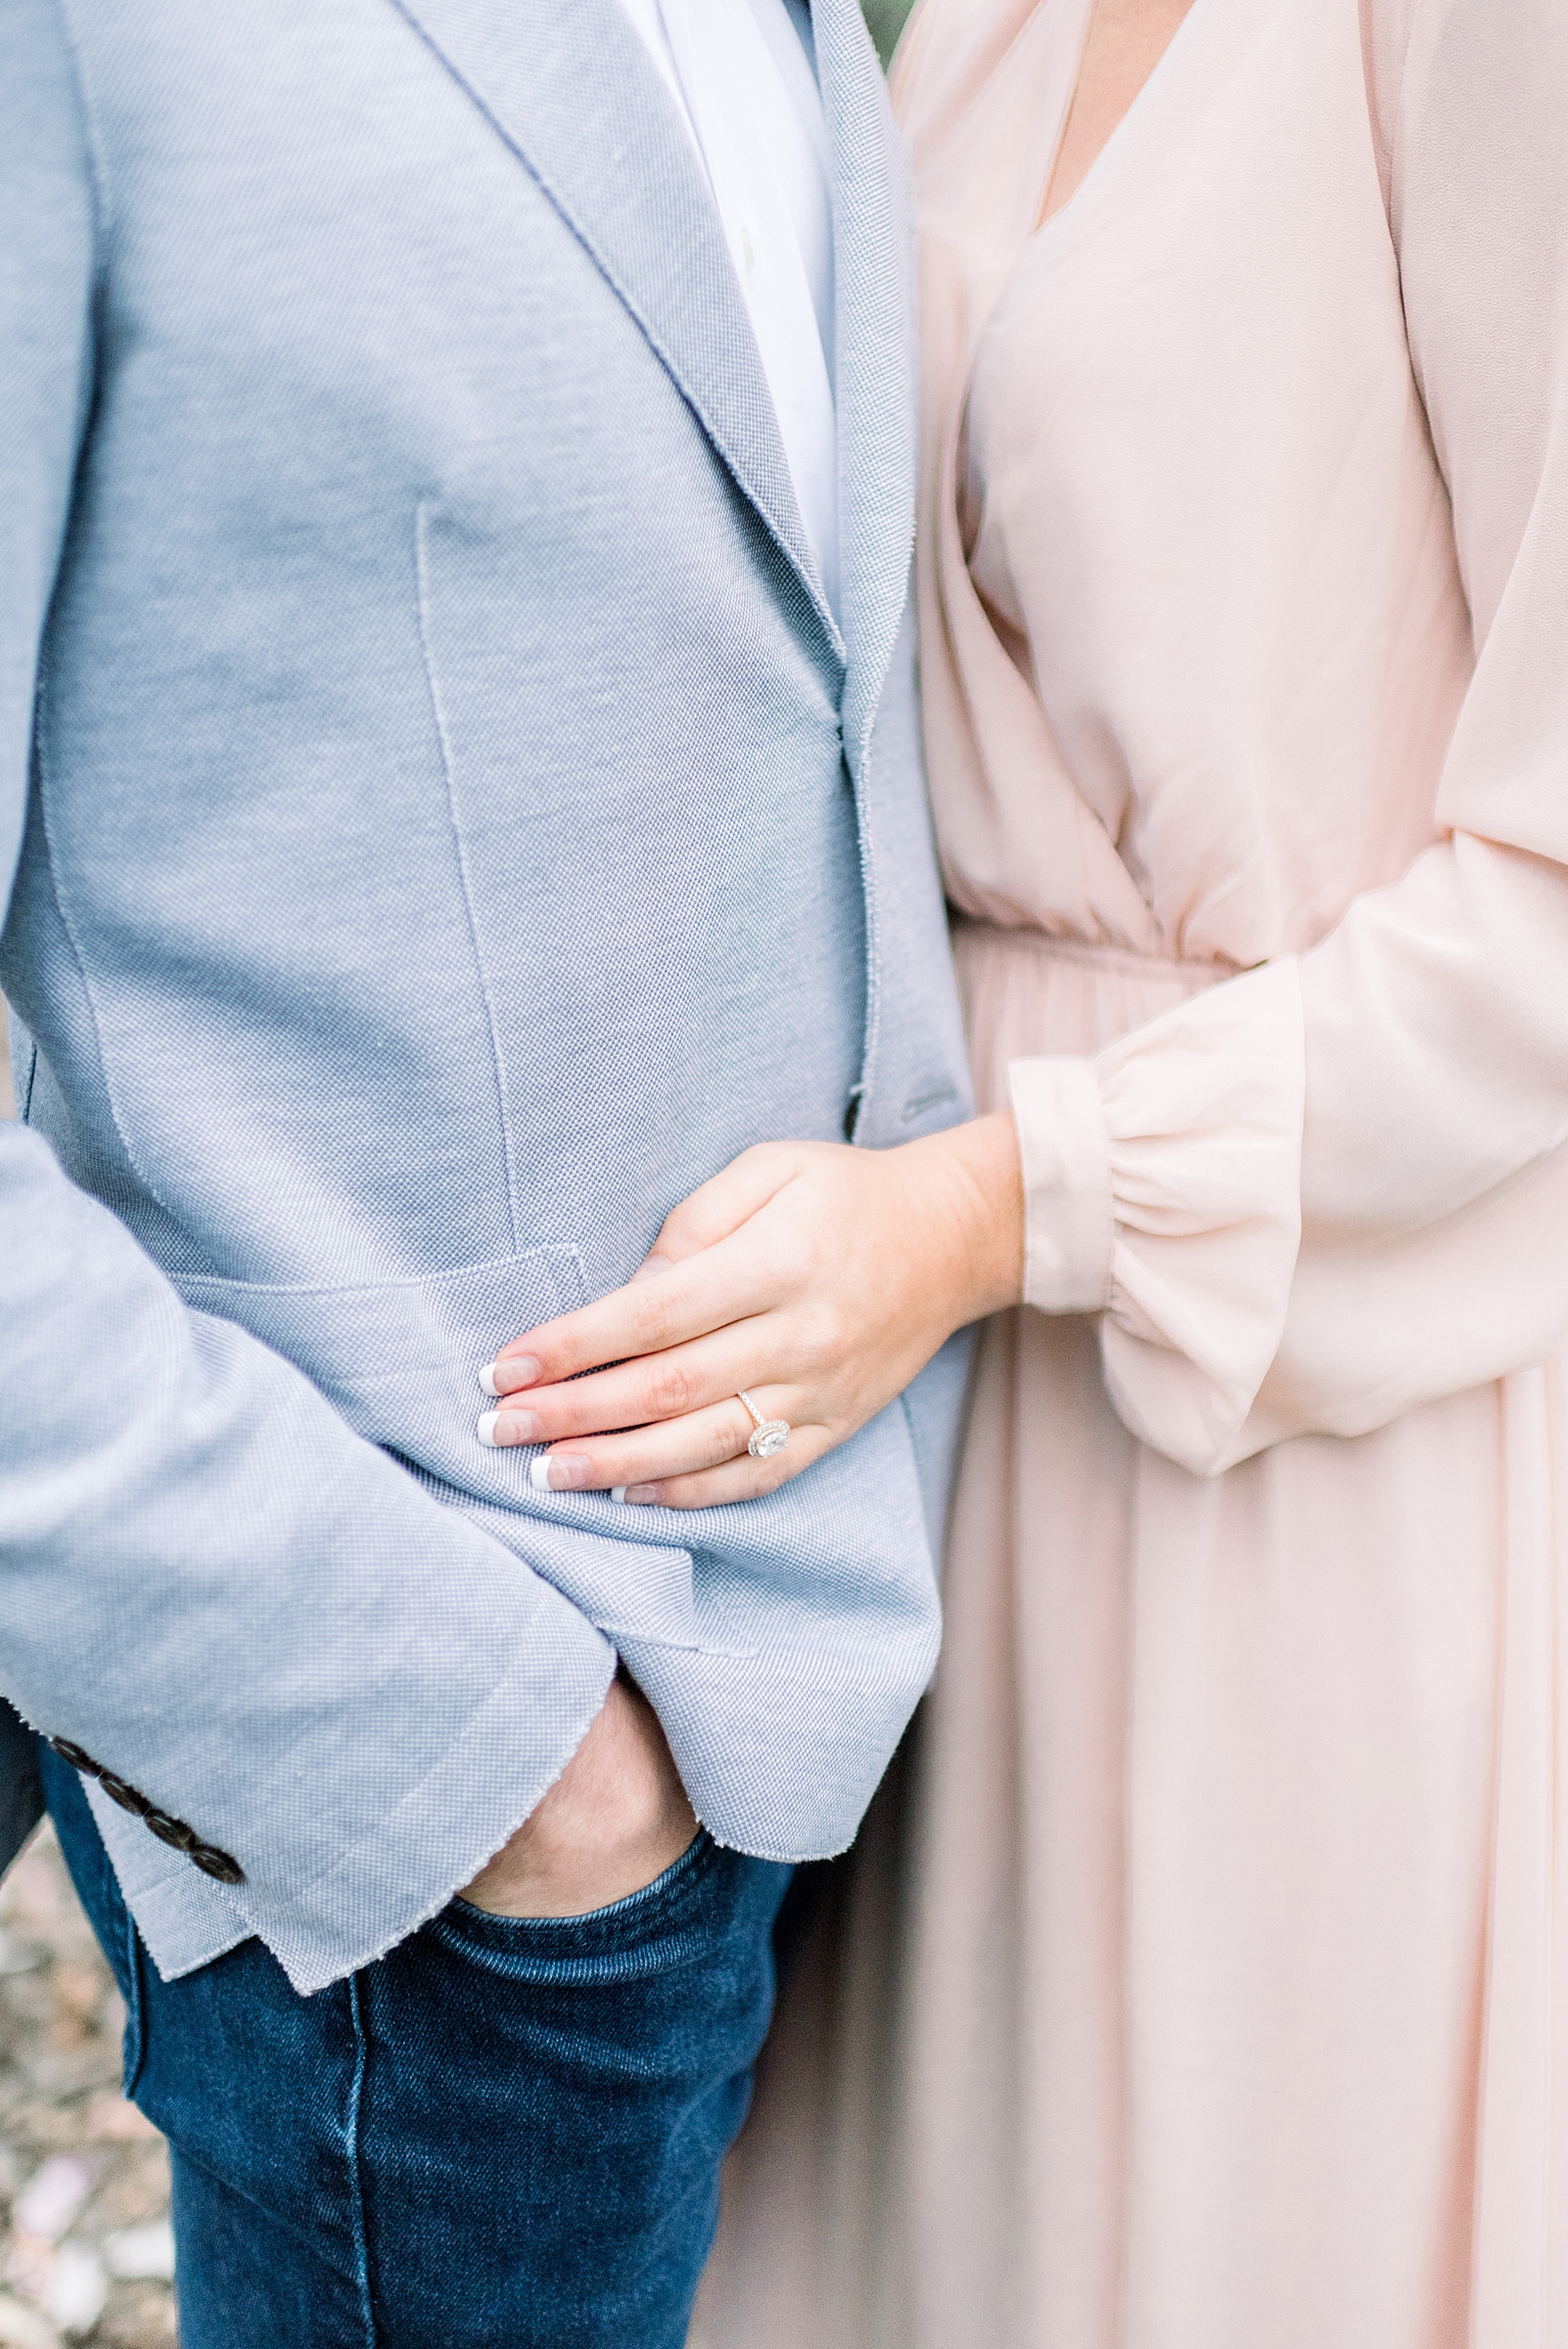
(1210, 1990)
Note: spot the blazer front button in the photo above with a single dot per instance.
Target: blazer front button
(213, 1862)
(130, 1798)
(170, 1830)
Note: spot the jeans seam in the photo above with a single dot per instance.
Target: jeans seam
(135, 2014)
(357, 2181)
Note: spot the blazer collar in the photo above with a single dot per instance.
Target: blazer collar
(571, 91)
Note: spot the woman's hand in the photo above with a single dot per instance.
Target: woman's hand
(819, 1278)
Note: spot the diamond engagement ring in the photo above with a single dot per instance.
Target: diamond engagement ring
(770, 1435)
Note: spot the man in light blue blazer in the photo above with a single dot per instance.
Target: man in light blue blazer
(452, 802)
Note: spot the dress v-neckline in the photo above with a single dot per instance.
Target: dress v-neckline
(1048, 216)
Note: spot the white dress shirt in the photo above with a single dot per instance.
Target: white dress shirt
(743, 77)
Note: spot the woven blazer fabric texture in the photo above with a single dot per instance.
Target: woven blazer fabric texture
(446, 825)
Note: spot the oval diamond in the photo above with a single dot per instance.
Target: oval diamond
(769, 1439)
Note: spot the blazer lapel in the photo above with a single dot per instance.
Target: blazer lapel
(567, 85)
(877, 369)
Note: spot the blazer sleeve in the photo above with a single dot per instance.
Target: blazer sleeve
(206, 1580)
(1336, 1188)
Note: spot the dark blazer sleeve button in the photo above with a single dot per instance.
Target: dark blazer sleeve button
(75, 1754)
(170, 1831)
(213, 1862)
(130, 1798)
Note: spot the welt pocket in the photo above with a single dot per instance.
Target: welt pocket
(400, 1359)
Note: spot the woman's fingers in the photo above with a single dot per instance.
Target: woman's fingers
(670, 1299)
(674, 1449)
(649, 1316)
(742, 1479)
(730, 1199)
(642, 1455)
(634, 1393)
(756, 1270)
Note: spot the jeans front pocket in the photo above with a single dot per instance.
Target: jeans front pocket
(644, 1933)
(546, 2103)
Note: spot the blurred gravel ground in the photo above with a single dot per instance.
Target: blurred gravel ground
(84, 2178)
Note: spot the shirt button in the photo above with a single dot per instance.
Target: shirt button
(75, 1755)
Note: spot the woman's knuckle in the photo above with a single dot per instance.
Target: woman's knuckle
(654, 1317)
(672, 1391)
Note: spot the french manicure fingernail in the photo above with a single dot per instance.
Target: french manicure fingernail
(618, 1492)
(636, 1494)
(559, 1472)
(500, 1428)
(511, 1376)
(651, 1266)
(488, 1379)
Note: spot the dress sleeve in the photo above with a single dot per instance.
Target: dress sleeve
(1336, 1188)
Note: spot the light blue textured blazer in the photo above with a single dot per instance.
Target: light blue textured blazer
(446, 826)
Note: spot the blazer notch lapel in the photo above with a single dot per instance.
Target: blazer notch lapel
(567, 85)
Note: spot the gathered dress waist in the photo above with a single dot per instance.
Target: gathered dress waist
(1027, 993)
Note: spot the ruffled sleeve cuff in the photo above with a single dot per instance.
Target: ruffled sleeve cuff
(1162, 1188)
(1069, 1216)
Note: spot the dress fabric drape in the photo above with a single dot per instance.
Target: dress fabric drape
(1201, 1980)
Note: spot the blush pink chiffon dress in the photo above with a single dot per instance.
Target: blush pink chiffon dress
(1202, 1982)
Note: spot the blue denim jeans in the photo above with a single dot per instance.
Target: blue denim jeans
(507, 2131)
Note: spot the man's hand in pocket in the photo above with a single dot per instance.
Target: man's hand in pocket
(615, 1819)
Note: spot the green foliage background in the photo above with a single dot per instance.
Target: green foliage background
(885, 20)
